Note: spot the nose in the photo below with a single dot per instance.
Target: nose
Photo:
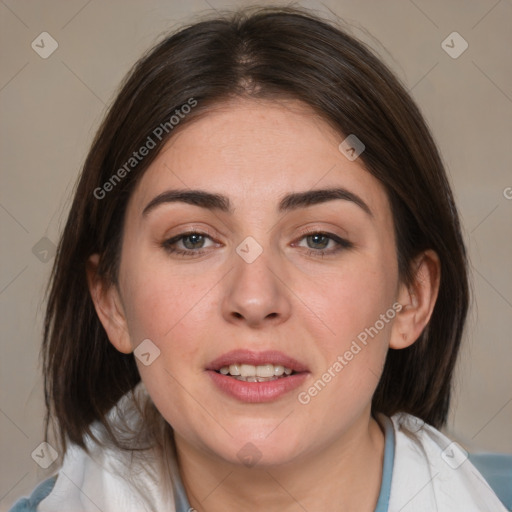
(256, 293)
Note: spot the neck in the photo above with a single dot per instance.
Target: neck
(343, 475)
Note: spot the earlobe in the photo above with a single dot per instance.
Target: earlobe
(417, 300)
(107, 303)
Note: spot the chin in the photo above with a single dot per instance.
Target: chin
(260, 447)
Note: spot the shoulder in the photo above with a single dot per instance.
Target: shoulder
(38, 494)
(431, 472)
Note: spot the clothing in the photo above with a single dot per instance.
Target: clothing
(431, 473)
(64, 488)
(422, 472)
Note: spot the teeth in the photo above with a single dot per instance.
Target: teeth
(234, 369)
(278, 370)
(248, 370)
(265, 370)
(251, 373)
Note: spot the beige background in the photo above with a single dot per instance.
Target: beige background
(50, 109)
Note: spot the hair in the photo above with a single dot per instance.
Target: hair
(268, 54)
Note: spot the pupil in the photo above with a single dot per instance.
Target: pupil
(316, 237)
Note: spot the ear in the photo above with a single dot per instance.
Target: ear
(417, 300)
(108, 305)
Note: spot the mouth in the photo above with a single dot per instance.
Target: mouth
(256, 376)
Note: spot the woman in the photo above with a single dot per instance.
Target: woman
(260, 293)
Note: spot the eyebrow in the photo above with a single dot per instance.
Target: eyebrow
(219, 202)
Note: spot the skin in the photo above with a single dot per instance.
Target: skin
(323, 455)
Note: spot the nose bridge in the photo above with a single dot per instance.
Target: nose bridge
(256, 292)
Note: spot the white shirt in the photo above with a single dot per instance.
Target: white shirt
(428, 473)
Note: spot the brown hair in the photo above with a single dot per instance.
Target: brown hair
(255, 54)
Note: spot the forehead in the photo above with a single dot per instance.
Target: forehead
(255, 152)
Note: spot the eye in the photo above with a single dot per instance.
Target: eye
(191, 241)
(318, 243)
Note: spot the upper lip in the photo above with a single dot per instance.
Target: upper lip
(256, 358)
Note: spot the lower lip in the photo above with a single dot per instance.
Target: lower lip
(255, 392)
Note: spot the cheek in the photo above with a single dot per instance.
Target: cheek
(159, 299)
(358, 313)
(171, 310)
(351, 300)
(175, 311)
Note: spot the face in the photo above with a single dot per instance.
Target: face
(308, 285)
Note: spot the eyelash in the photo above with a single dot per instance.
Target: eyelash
(342, 244)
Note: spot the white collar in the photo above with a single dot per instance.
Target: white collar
(430, 473)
